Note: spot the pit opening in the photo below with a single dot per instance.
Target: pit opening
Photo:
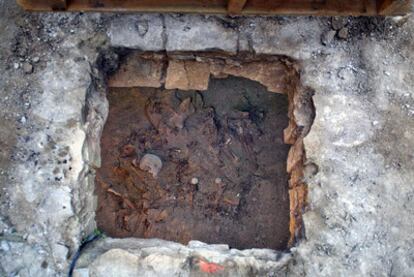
(198, 148)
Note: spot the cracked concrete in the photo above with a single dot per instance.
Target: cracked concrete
(360, 213)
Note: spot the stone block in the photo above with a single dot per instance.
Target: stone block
(138, 72)
(187, 75)
(199, 33)
(142, 32)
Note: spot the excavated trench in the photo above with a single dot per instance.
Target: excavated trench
(204, 147)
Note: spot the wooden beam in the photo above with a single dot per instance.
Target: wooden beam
(394, 7)
(312, 7)
(45, 5)
(159, 6)
(58, 5)
(235, 7)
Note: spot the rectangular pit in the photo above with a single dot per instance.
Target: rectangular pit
(189, 158)
(223, 177)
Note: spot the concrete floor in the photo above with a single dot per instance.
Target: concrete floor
(360, 216)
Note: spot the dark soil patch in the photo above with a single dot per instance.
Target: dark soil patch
(223, 178)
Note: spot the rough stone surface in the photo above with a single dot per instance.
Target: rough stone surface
(27, 68)
(272, 74)
(328, 37)
(343, 33)
(115, 262)
(187, 75)
(199, 33)
(338, 22)
(295, 37)
(153, 257)
(360, 213)
(138, 72)
(143, 32)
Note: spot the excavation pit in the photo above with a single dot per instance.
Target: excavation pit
(185, 158)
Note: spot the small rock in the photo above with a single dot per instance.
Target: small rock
(151, 163)
(310, 169)
(338, 22)
(128, 151)
(328, 37)
(4, 246)
(16, 65)
(343, 33)
(194, 181)
(27, 68)
(400, 20)
(142, 27)
(345, 73)
(36, 59)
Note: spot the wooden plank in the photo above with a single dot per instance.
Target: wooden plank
(394, 7)
(311, 7)
(44, 5)
(235, 7)
(242, 7)
(163, 6)
(59, 4)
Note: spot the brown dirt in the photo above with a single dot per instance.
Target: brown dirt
(230, 138)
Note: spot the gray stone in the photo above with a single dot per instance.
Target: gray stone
(142, 27)
(199, 33)
(142, 32)
(4, 246)
(115, 262)
(27, 68)
(328, 37)
(81, 272)
(346, 73)
(153, 257)
(339, 22)
(343, 33)
(294, 37)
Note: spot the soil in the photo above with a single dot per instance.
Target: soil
(223, 177)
